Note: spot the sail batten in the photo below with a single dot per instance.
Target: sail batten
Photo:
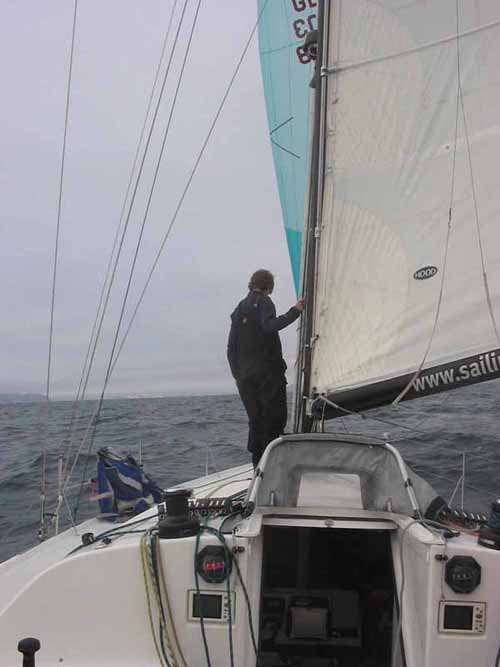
(408, 280)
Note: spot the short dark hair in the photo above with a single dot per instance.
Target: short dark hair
(261, 279)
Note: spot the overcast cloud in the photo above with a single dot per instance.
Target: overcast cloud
(230, 223)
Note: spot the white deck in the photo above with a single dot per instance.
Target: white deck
(17, 572)
(91, 608)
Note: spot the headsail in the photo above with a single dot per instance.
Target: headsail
(286, 72)
(408, 283)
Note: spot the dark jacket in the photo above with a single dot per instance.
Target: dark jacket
(254, 346)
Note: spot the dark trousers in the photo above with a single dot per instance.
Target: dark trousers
(264, 398)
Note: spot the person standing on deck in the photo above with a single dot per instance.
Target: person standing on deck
(256, 361)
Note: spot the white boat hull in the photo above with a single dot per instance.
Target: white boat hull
(91, 608)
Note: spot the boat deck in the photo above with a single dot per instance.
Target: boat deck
(19, 571)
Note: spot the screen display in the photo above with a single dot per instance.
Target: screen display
(458, 617)
(210, 605)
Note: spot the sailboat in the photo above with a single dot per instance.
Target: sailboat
(332, 553)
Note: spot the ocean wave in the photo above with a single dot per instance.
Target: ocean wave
(180, 437)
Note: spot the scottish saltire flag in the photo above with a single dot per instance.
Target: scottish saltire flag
(122, 486)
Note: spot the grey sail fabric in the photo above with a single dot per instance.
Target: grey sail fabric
(409, 249)
(381, 483)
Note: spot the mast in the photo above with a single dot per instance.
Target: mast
(304, 422)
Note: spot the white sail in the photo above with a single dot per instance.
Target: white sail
(413, 131)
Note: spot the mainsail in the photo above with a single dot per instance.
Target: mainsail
(408, 260)
(286, 73)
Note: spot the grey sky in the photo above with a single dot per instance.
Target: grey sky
(229, 225)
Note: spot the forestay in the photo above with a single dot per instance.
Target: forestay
(408, 285)
(286, 73)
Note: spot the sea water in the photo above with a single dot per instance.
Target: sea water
(182, 438)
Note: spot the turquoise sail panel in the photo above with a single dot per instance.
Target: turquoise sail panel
(286, 74)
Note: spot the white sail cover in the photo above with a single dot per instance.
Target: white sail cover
(413, 129)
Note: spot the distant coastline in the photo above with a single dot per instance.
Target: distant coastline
(6, 397)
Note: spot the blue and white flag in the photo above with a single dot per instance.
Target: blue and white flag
(122, 487)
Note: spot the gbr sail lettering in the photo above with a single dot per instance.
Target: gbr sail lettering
(304, 23)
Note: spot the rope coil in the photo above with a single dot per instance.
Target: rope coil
(157, 599)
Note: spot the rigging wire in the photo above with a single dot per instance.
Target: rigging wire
(131, 203)
(459, 106)
(136, 158)
(99, 318)
(447, 450)
(417, 373)
(60, 197)
(108, 283)
(474, 199)
(419, 433)
(155, 178)
(180, 202)
(425, 472)
(477, 451)
(42, 533)
(460, 483)
(417, 466)
(188, 184)
(365, 416)
(143, 226)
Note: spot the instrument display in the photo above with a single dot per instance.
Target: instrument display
(213, 607)
(462, 617)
